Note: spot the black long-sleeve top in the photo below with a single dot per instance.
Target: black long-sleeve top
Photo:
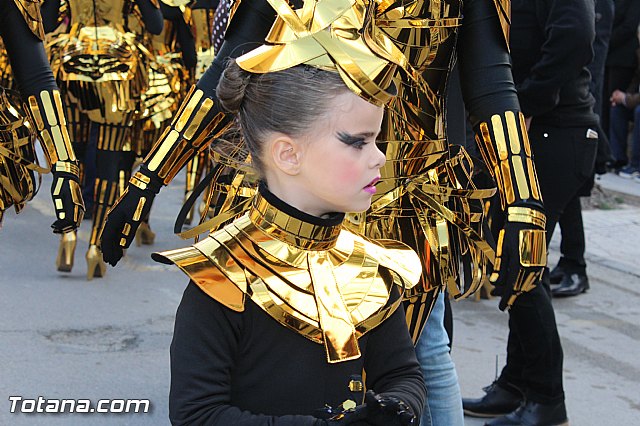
(28, 58)
(624, 34)
(551, 47)
(245, 368)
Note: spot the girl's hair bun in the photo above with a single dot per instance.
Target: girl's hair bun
(232, 87)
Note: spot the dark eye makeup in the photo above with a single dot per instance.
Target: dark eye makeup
(356, 141)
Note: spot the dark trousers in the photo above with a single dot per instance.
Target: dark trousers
(619, 121)
(564, 160)
(573, 245)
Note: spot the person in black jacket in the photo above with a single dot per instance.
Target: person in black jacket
(551, 46)
(570, 273)
(621, 58)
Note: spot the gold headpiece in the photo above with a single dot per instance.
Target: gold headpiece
(331, 34)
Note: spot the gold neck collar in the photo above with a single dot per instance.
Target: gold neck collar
(291, 226)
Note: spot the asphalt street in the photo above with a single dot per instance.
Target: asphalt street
(65, 337)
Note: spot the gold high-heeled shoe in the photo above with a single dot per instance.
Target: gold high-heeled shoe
(144, 235)
(66, 251)
(484, 292)
(95, 265)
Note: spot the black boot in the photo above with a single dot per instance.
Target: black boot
(557, 273)
(498, 400)
(572, 284)
(534, 414)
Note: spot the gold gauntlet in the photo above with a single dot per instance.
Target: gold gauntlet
(195, 125)
(505, 148)
(45, 110)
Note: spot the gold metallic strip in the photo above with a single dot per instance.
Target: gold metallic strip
(58, 203)
(508, 185)
(58, 103)
(58, 187)
(188, 111)
(419, 23)
(521, 178)
(498, 133)
(525, 135)
(45, 97)
(35, 110)
(533, 247)
(166, 145)
(512, 128)
(198, 118)
(138, 212)
(142, 177)
(533, 179)
(127, 229)
(59, 142)
(172, 158)
(49, 145)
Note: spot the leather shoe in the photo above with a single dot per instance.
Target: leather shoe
(572, 284)
(534, 414)
(498, 400)
(557, 273)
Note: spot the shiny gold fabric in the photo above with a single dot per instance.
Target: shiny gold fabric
(335, 34)
(324, 282)
(30, 11)
(99, 61)
(430, 196)
(19, 169)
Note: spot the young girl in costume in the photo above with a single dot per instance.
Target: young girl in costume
(290, 319)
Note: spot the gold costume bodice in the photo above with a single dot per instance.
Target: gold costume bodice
(97, 13)
(321, 281)
(100, 65)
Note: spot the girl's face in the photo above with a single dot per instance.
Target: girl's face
(341, 161)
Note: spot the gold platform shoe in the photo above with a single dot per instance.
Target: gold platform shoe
(66, 251)
(95, 265)
(144, 235)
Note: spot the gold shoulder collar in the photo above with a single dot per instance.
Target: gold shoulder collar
(332, 295)
(30, 10)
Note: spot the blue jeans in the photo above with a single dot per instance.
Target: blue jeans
(444, 402)
(619, 120)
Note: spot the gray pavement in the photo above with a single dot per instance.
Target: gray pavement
(64, 337)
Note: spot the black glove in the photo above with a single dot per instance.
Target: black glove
(521, 254)
(124, 217)
(377, 410)
(67, 197)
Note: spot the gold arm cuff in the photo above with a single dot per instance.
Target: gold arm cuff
(65, 166)
(527, 215)
(139, 180)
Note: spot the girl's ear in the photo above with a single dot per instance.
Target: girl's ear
(286, 155)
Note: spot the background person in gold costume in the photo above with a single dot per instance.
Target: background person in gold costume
(36, 112)
(101, 71)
